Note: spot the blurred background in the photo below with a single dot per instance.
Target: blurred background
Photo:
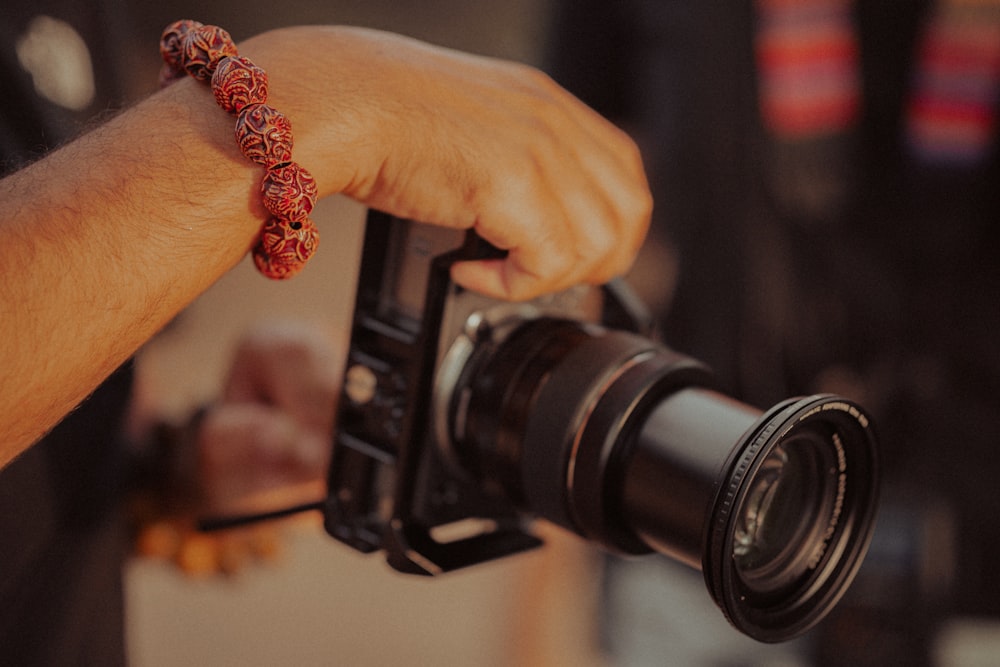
(826, 184)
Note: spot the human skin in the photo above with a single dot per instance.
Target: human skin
(108, 238)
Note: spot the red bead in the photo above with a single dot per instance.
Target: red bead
(203, 47)
(237, 82)
(284, 247)
(170, 43)
(264, 135)
(289, 191)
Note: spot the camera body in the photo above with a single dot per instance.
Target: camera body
(463, 419)
(396, 482)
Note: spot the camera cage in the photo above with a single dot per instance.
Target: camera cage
(385, 446)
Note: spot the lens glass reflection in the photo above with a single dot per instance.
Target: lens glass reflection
(783, 516)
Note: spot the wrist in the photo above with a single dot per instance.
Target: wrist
(215, 186)
(333, 98)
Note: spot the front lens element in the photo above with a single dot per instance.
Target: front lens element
(790, 502)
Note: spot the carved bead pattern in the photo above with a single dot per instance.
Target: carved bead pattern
(202, 48)
(289, 238)
(284, 247)
(264, 135)
(289, 192)
(237, 82)
(170, 43)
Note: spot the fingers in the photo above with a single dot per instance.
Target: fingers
(562, 189)
(576, 212)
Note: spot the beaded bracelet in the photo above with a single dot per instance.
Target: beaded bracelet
(207, 53)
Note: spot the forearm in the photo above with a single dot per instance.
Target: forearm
(105, 241)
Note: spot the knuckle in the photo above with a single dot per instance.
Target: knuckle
(521, 287)
(561, 268)
(535, 78)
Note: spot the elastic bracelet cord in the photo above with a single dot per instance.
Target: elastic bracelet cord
(207, 53)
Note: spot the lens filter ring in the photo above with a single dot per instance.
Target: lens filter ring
(793, 516)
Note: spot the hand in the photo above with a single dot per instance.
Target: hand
(463, 141)
(264, 445)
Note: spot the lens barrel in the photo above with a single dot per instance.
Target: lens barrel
(618, 439)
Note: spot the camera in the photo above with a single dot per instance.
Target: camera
(464, 420)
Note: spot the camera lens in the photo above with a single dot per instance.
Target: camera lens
(617, 439)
